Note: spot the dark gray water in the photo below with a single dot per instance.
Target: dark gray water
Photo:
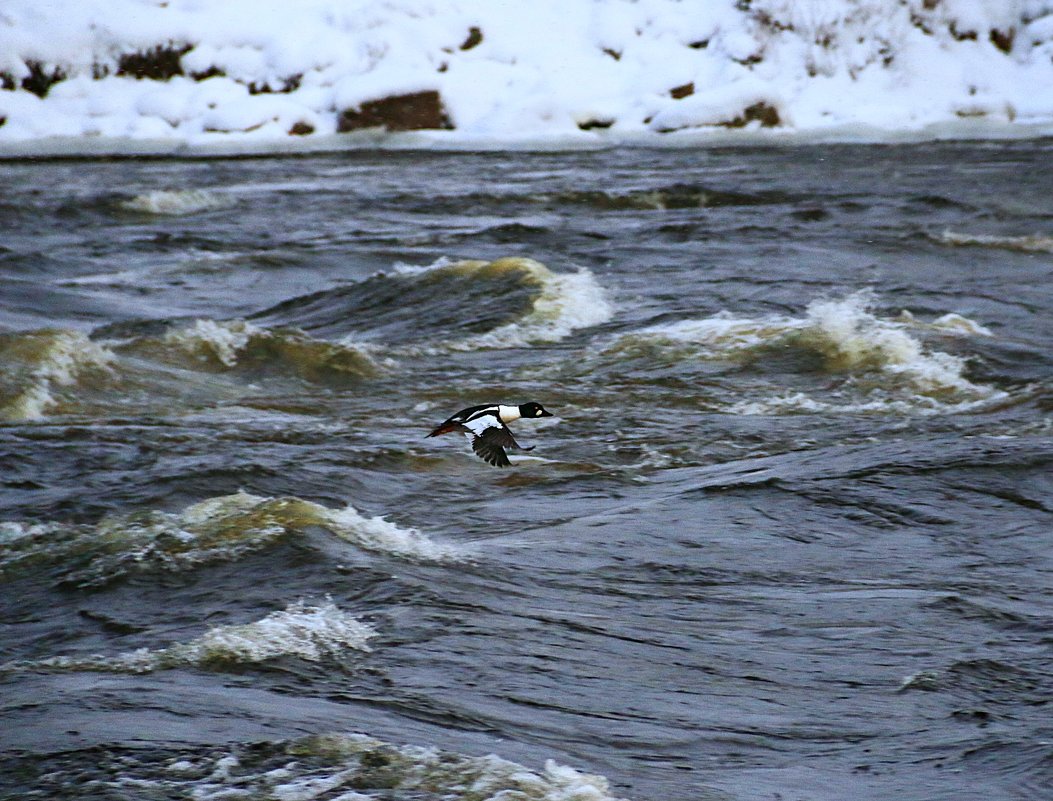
(787, 537)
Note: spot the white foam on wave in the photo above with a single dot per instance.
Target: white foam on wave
(800, 403)
(377, 534)
(58, 358)
(352, 767)
(228, 342)
(176, 203)
(1033, 243)
(849, 339)
(218, 529)
(253, 520)
(565, 303)
(223, 340)
(721, 334)
(957, 324)
(299, 630)
(852, 338)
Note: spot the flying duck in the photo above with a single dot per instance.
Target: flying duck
(487, 428)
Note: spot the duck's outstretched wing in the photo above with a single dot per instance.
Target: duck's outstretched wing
(491, 443)
(490, 437)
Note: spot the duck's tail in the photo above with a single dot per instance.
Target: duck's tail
(445, 428)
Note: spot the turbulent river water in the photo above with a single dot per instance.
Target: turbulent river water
(788, 535)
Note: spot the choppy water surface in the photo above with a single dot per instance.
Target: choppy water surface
(787, 537)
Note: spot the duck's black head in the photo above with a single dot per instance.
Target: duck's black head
(533, 410)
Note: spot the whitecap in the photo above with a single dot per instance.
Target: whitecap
(1032, 243)
(220, 340)
(850, 340)
(57, 358)
(228, 343)
(352, 767)
(565, 302)
(217, 529)
(302, 631)
(176, 202)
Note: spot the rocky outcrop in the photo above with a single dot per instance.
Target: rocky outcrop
(768, 116)
(1003, 40)
(159, 63)
(593, 124)
(475, 38)
(39, 81)
(418, 111)
(680, 92)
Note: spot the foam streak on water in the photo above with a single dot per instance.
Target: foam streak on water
(1033, 243)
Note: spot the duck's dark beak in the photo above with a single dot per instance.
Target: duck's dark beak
(546, 414)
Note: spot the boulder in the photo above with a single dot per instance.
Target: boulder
(475, 38)
(680, 92)
(40, 78)
(768, 116)
(417, 111)
(156, 64)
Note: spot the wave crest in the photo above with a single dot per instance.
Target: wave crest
(217, 529)
(1033, 243)
(564, 303)
(299, 630)
(882, 359)
(351, 767)
(176, 202)
(38, 364)
(232, 343)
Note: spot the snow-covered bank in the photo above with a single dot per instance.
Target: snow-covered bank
(189, 76)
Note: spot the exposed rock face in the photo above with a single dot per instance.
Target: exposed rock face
(418, 111)
(301, 129)
(680, 92)
(156, 64)
(39, 80)
(289, 84)
(475, 37)
(767, 115)
(1003, 40)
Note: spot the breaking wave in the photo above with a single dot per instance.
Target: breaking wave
(346, 767)
(40, 367)
(234, 343)
(885, 366)
(214, 530)
(564, 303)
(176, 202)
(305, 632)
(675, 196)
(132, 367)
(506, 303)
(1034, 243)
